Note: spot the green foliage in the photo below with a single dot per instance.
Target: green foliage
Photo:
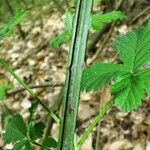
(23, 136)
(22, 145)
(36, 130)
(134, 48)
(131, 79)
(144, 75)
(68, 21)
(16, 130)
(8, 28)
(32, 110)
(50, 143)
(3, 90)
(60, 39)
(99, 20)
(99, 74)
(128, 93)
(66, 35)
(4, 32)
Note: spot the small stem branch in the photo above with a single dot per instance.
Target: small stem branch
(35, 143)
(96, 120)
(4, 64)
(42, 85)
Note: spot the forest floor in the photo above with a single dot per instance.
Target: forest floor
(38, 64)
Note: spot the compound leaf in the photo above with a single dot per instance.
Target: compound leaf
(130, 80)
(99, 74)
(128, 93)
(99, 20)
(16, 130)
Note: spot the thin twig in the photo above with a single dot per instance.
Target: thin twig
(37, 144)
(43, 85)
(139, 15)
(144, 20)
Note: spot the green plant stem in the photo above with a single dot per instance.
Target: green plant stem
(96, 120)
(74, 74)
(4, 64)
(35, 143)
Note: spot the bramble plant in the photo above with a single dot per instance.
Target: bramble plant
(130, 78)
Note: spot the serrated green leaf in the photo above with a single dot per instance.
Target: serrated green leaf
(16, 127)
(142, 55)
(125, 46)
(68, 21)
(60, 39)
(18, 145)
(144, 75)
(121, 83)
(130, 80)
(99, 20)
(50, 143)
(3, 90)
(36, 130)
(22, 145)
(8, 29)
(134, 48)
(128, 93)
(99, 74)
